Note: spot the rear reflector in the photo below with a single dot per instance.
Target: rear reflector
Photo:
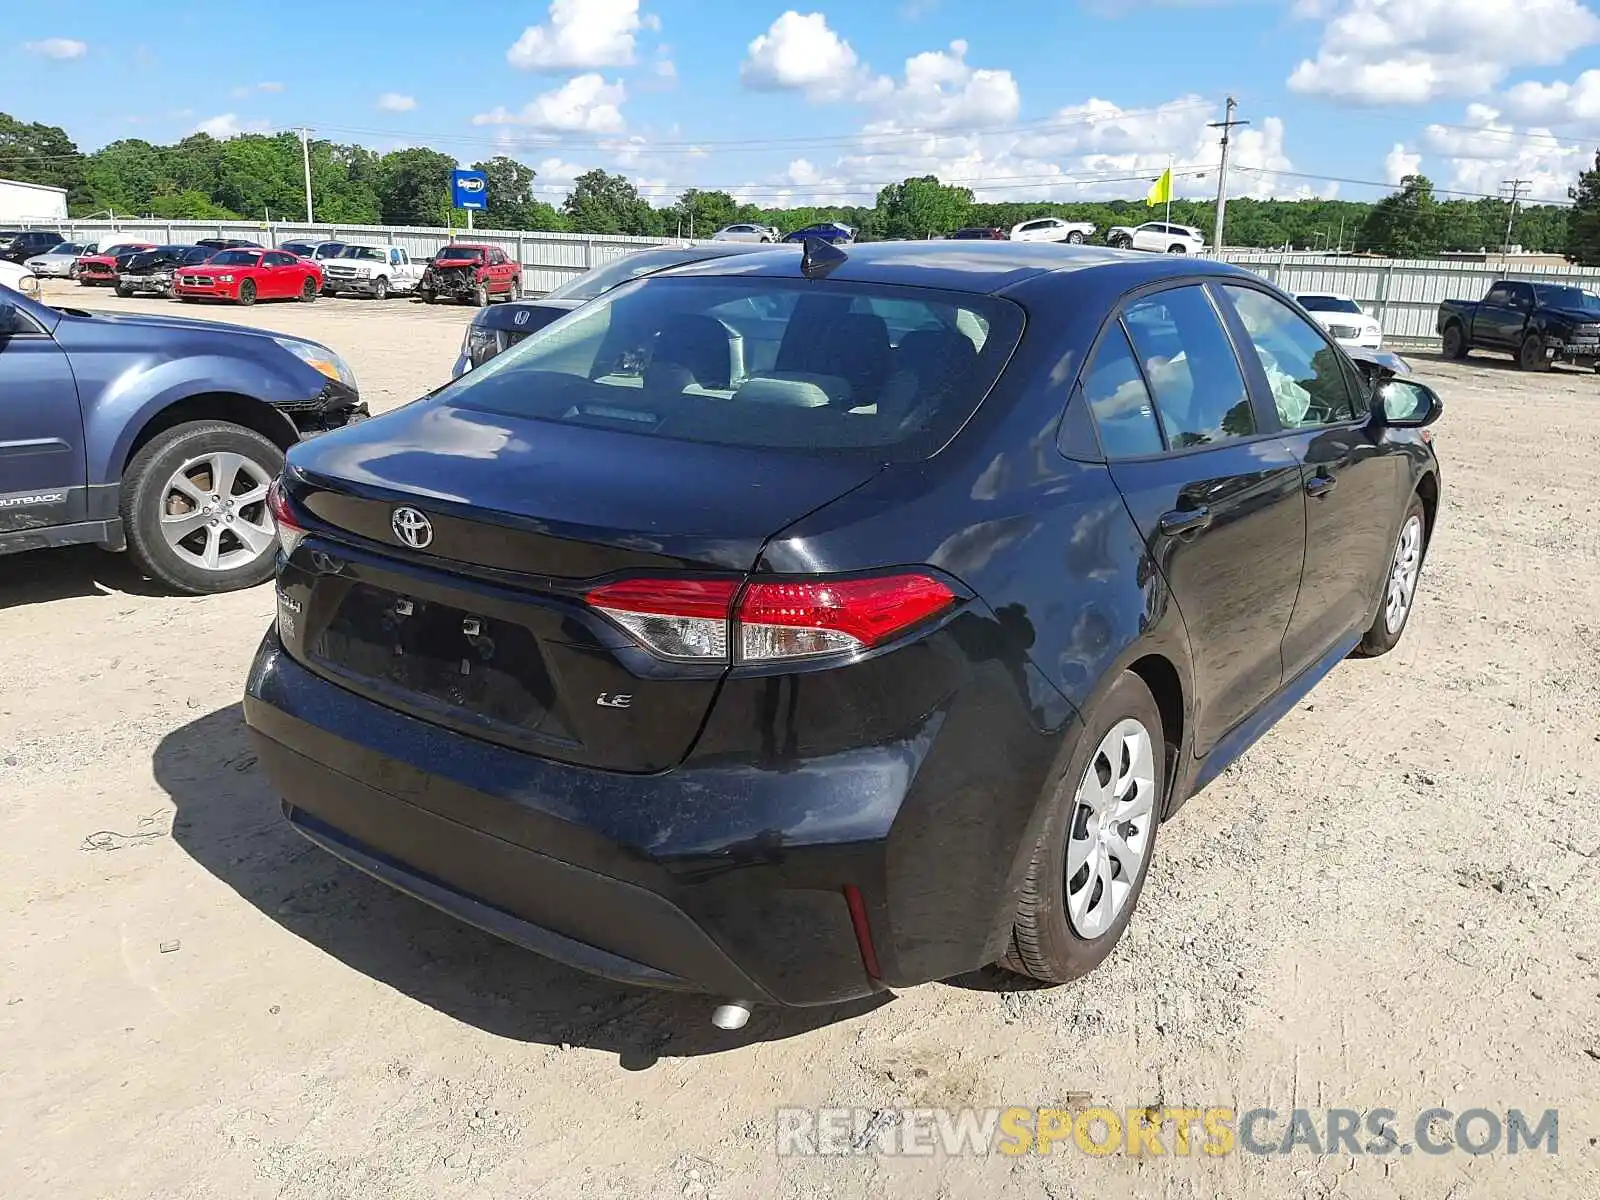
(290, 532)
(694, 620)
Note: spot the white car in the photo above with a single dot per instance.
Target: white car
(1052, 229)
(745, 233)
(57, 263)
(376, 271)
(1344, 319)
(1158, 237)
(19, 279)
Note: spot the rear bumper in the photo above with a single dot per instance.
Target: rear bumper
(532, 850)
(719, 876)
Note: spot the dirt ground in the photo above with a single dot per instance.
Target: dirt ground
(1393, 901)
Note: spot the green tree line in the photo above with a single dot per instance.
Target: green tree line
(259, 175)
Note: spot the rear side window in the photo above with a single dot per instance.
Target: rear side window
(1191, 368)
(1119, 400)
(806, 365)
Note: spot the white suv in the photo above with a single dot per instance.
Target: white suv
(1052, 229)
(1157, 236)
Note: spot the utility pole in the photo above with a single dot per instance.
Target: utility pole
(1226, 125)
(305, 157)
(1516, 186)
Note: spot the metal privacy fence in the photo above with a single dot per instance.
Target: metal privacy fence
(548, 259)
(1403, 294)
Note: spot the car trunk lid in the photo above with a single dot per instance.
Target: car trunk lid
(480, 623)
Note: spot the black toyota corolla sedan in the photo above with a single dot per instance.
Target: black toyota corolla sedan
(790, 628)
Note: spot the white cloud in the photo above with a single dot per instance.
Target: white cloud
(1484, 151)
(272, 87)
(58, 48)
(227, 125)
(941, 91)
(554, 177)
(801, 53)
(1399, 163)
(1577, 102)
(581, 34)
(396, 102)
(1412, 51)
(584, 104)
(1093, 151)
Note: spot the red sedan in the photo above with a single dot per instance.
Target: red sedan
(245, 276)
(100, 270)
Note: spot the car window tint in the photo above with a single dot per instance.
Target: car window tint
(1303, 369)
(1190, 366)
(1119, 399)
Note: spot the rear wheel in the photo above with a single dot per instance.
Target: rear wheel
(1092, 857)
(1531, 357)
(194, 507)
(1455, 342)
(1400, 589)
(247, 292)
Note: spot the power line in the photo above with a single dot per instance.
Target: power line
(1391, 187)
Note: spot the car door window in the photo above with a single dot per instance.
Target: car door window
(1190, 367)
(1309, 386)
(1117, 396)
(1498, 295)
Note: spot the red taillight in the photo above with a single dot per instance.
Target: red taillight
(290, 532)
(799, 620)
(695, 619)
(675, 618)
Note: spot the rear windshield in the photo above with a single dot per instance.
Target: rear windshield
(1328, 304)
(788, 364)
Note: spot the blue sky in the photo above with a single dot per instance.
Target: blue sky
(828, 100)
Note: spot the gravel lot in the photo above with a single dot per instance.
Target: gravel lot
(1391, 902)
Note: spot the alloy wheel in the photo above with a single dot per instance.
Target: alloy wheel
(1403, 575)
(214, 511)
(1109, 836)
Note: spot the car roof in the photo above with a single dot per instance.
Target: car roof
(464, 246)
(978, 266)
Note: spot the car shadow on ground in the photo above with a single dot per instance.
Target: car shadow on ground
(228, 820)
(41, 576)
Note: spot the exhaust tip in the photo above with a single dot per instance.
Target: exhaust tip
(733, 1015)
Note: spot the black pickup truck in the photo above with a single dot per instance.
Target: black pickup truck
(1539, 323)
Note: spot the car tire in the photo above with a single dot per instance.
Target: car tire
(150, 493)
(1075, 237)
(1062, 932)
(247, 292)
(308, 291)
(72, 271)
(1400, 586)
(478, 297)
(1455, 342)
(1120, 242)
(1177, 248)
(1530, 357)
(124, 291)
(380, 289)
(427, 295)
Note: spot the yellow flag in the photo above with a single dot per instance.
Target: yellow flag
(1161, 190)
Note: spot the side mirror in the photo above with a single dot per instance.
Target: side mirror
(1406, 404)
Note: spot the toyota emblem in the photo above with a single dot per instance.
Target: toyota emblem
(412, 528)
